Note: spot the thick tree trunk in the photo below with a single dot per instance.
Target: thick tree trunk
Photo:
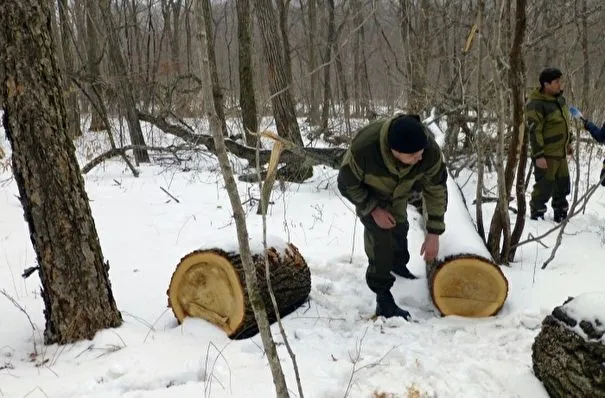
(75, 284)
(210, 284)
(247, 97)
(570, 365)
(281, 90)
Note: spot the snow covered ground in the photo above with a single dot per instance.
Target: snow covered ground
(340, 350)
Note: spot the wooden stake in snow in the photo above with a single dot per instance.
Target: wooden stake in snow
(210, 284)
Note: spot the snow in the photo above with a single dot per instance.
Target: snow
(589, 307)
(339, 349)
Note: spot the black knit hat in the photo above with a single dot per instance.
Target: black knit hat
(548, 75)
(406, 135)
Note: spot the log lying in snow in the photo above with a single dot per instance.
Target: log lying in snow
(210, 284)
(466, 281)
(568, 354)
(467, 285)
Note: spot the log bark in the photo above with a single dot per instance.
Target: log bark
(210, 284)
(568, 364)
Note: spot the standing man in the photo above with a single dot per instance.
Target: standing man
(385, 160)
(547, 118)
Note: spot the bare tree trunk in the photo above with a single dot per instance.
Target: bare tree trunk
(479, 127)
(75, 283)
(94, 57)
(283, 7)
(126, 91)
(325, 112)
(281, 90)
(361, 66)
(255, 297)
(517, 151)
(71, 94)
(312, 65)
(247, 96)
(217, 92)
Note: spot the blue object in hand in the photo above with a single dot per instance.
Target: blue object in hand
(575, 112)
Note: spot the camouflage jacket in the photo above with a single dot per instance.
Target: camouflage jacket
(371, 176)
(547, 120)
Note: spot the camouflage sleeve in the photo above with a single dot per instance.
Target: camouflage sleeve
(535, 125)
(434, 192)
(352, 187)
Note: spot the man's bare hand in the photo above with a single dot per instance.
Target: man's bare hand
(383, 218)
(541, 163)
(430, 247)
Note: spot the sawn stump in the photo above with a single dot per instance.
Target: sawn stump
(467, 285)
(210, 284)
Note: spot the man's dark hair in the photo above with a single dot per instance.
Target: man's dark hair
(548, 75)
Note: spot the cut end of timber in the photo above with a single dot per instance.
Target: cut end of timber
(469, 286)
(205, 285)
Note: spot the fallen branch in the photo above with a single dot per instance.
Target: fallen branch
(330, 157)
(169, 194)
(113, 152)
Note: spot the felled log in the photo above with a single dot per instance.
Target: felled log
(210, 284)
(464, 281)
(568, 354)
(467, 285)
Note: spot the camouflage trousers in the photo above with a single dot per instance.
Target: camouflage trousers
(551, 182)
(385, 249)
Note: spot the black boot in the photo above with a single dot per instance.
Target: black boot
(560, 216)
(403, 271)
(386, 307)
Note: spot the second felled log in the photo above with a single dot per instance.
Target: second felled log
(467, 285)
(210, 284)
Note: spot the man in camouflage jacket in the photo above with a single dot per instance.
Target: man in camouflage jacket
(386, 161)
(547, 118)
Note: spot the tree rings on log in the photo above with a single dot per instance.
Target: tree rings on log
(568, 354)
(210, 284)
(467, 285)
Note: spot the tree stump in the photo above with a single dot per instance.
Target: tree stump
(210, 284)
(467, 285)
(568, 354)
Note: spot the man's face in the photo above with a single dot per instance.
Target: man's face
(408, 158)
(555, 87)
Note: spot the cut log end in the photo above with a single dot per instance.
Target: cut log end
(205, 285)
(468, 285)
(210, 284)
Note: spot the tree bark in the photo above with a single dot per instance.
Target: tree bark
(247, 96)
(281, 90)
(125, 85)
(250, 276)
(75, 283)
(312, 65)
(570, 365)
